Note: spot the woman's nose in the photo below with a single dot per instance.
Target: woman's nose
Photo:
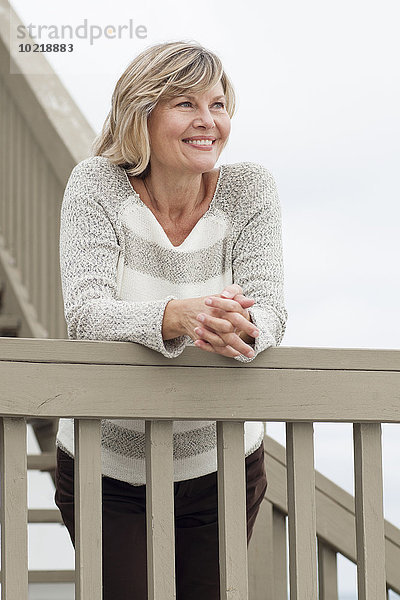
(204, 118)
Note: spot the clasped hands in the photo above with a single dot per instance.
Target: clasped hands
(222, 322)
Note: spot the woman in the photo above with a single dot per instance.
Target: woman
(161, 248)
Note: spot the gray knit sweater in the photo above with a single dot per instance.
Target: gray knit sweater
(119, 270)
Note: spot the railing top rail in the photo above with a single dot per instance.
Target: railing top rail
(128, 353)
(66, 378)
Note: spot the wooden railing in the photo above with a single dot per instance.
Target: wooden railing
(66, 378)
(43, 136)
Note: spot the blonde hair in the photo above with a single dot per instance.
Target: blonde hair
(158, 73)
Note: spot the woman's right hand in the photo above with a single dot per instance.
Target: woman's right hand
(226, 324)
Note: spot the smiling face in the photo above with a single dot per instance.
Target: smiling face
(197, 116)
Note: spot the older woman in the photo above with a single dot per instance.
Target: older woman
(160, 247)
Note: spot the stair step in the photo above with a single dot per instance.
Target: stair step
(9, 325)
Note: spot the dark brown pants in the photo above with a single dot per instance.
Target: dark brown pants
(196, 529)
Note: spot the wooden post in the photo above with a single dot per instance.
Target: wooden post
(370, 532)
(267, 555)
(280, 561)
(88, 510)
(160, 522)
(261, 555)
(232, 526)
(14, 509)
(301, 511)
(327, 572)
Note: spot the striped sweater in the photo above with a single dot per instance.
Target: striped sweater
(119, 270)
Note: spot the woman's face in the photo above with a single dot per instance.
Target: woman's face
(199, 115)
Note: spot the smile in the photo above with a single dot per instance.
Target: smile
(200, 144)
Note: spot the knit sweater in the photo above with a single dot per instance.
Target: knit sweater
(119, 270)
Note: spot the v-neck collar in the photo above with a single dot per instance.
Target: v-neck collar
(209, 210)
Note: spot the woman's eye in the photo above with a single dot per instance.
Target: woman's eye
(187, 102)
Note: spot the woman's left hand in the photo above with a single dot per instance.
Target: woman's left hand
(210, 331)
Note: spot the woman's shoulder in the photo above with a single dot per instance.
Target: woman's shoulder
(247, 170)
(95, 166)
(248, 187)
(97, 180)
(98, 175)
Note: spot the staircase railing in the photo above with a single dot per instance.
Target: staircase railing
(336, 534)
(67, 378)
(43, 135)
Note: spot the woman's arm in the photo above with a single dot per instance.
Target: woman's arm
(171, 325)
(89, 252)
(258, 265)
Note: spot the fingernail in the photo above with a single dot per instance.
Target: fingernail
(227, 294)
(250, 353)
(255, 333)
(208, 301)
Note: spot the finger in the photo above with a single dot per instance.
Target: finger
(223, 303)
(220, 325)
(224, 339)
(209, 336)
(243, 300)
(237, 321)
(235, 316)
(227, 332)
(225, 351)
(231, 290)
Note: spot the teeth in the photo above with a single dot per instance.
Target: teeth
(199, 142)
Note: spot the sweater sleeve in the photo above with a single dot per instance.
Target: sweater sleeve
(89, 252)
(258, 265)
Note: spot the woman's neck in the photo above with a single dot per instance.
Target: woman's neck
(176, 200)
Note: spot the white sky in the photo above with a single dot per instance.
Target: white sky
(318, 92)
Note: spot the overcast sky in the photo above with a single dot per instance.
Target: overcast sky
(318, 92)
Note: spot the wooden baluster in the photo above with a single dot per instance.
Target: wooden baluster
(14, 509)
(23, 202)
(160, 521)
(17, 187)
(232, 524)
(3, 142)
(301, 511)
(6, 224)
(327, 572)
(370, 533)
(261, 555)
(34, 230)
(88, 510)
(267, 555)
(280, 563)
(44, 258)
(26, 208)
(52, 251)
(60, 331)
(13, 174)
